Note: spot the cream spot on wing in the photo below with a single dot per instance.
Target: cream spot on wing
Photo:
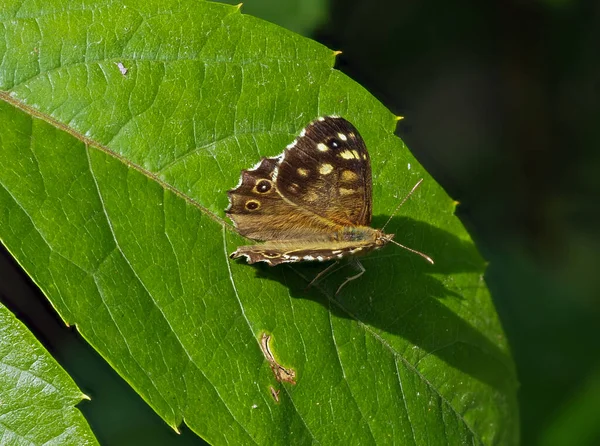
(348, 175)
(311, 196)
(356, 154)
(320, 258)
(342, 137)
(344, 191)
(309, 258)
(336, 251)
(302, 171)
(352, 135)
(321, 118)
(325, 169)
(322, 147)
(292, 144)
(346, 154)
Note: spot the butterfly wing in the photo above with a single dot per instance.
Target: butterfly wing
(278, 252)
(260, 212)
(327, 169)
(320, 183)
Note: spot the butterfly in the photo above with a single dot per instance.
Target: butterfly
(311, 203)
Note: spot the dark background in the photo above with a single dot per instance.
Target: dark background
(502, 106)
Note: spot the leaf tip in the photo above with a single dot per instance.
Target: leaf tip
(239, 6)
(399, 118)
(336, 53)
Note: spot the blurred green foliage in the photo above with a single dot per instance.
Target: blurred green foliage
(300, 16)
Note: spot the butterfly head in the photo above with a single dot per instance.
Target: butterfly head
(382, 238)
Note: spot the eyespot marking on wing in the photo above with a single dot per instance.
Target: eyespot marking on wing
(263, 186)
(252, 205)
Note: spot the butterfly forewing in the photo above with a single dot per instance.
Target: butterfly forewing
(327, 170)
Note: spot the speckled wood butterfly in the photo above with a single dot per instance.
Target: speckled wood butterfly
(311, 203)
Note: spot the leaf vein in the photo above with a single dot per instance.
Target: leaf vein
(337, 352)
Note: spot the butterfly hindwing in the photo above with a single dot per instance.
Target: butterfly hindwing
(275, 253)
(259, 211)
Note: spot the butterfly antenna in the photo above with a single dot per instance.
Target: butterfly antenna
(425, 256)
(399, 206)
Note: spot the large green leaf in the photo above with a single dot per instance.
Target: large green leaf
(36, 395)
(123, 125)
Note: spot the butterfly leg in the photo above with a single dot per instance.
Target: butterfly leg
(351, 278)
(331, 268)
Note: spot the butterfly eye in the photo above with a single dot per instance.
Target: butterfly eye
(263, 186)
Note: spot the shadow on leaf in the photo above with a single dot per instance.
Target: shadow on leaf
(405, 296)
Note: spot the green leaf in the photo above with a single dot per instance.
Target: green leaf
(123, 126)
(37, 397)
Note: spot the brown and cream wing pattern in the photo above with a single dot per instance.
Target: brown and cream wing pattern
(327, 169)
(259, 211)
